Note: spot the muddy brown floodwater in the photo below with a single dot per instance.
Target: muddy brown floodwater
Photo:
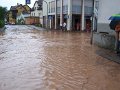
(53, 60)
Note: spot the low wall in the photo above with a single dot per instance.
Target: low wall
(104, 27)
(104, 37)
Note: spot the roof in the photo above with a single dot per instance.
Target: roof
(40, 2)
(20, 5)
(13, 7)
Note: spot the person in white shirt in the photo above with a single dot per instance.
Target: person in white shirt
(64, 25)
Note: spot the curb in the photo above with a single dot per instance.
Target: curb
(109, 55)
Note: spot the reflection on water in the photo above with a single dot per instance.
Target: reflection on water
(53, 60)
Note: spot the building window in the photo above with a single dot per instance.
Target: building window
(58, 6)
(39, 14)
(53, 6)
(34, 14)
(49, 7)
(97, 5)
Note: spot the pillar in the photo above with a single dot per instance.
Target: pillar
(55, 14)
(61, 12)
(69, 18)
(83, 16)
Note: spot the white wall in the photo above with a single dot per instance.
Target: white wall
(106, 9)
(37, 13)
(45, 7)
(88, 3)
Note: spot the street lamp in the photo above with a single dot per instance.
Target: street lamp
(46, 15)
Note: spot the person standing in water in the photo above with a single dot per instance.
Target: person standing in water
(117, 44)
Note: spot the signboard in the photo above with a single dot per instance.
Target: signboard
(28, 1)
(50, 17)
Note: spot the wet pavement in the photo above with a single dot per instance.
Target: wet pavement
(53, 60)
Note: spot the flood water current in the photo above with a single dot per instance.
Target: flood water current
(53, 60)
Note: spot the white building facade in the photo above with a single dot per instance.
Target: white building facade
(69, 11)
(105, 37)
(36, 11)
(106, 9)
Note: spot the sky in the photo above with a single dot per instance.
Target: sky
(9, 3)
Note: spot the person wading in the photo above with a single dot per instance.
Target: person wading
(117, 30)
(64, 26)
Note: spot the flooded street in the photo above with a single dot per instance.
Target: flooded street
(53, 60)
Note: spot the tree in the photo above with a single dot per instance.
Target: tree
(3, 11)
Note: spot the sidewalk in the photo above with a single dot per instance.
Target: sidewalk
(110, 55)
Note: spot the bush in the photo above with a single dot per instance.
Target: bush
(38, 25)
(2, 23)
(2, 16)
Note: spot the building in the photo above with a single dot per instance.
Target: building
(21, 18)
(16, 11)
(104, 36)
(32, 20)
(73, 12)
(36, 11)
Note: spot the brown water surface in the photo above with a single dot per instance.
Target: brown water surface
(53, 60)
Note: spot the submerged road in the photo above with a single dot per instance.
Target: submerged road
(33, 59)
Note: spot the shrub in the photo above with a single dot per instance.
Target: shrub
(38, 25)
(2, 23)
(2, 16)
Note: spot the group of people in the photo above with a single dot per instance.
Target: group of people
(63, 26)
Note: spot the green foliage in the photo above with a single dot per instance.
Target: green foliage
(2, 13)
(2, 23)
(2, 16)
(38, 25)
(20, 21)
